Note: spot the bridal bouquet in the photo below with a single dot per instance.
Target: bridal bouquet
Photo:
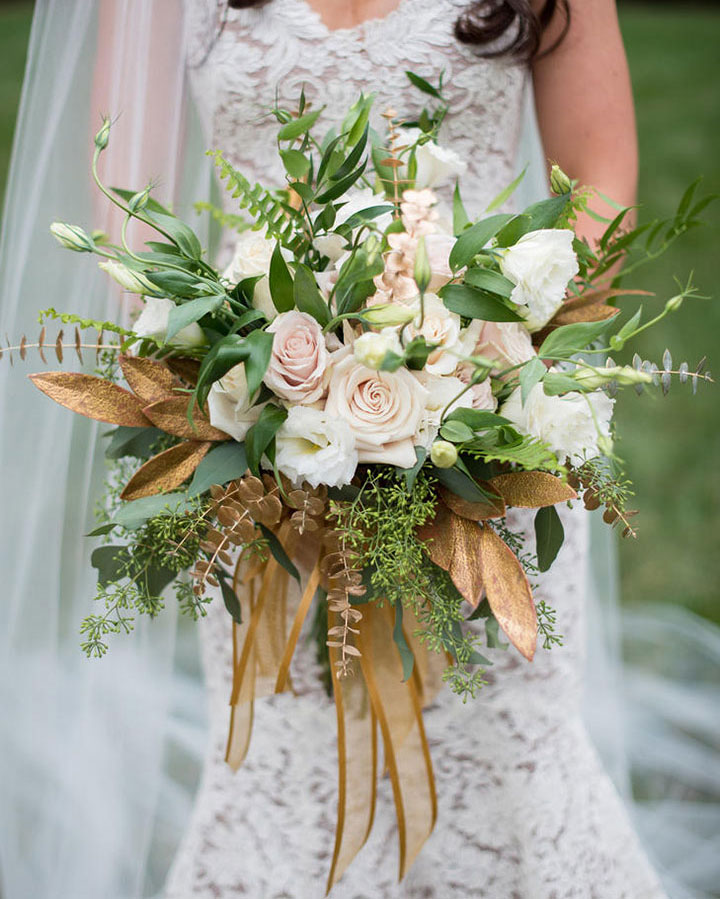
(354, 404)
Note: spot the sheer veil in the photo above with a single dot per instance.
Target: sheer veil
(99, 757)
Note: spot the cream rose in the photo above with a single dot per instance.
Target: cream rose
(444, 328)
(153, 322)
(314, 447)
(383, 410)
(230, 406)
(540, 265)
(570, 425)
(299, 358)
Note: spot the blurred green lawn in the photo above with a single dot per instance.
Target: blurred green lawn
(672, 445)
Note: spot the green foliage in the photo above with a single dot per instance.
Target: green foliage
(549, 536)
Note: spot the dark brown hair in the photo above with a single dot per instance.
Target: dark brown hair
(511, 26)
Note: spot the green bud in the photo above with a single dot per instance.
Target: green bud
(559, 181)
(592, 378)
(72, 237)
(139, 201)
(422, 273)
(629, 375)
(103, 135)
(674, 303)
(443, 454)
(388, 315)
(130, 280)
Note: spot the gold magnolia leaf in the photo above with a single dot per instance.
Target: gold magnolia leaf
(170, 415)
(532, 489)
(452, 544)
(166, 471)
(493, 508)
(186, 369)
(92, 397)
(507, 590)
(149, 380)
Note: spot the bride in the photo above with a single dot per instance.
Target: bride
(525, 808)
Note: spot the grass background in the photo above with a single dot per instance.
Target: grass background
(672, 444)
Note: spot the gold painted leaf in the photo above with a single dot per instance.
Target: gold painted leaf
(532, 489)
(92, 397)
(171, 416)
(437, 536)
(474, 511)
(150, 380)
(508, 591)
(452, 544)
(166, 471)
(186, 369)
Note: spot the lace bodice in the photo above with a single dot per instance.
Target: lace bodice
(239, 68)
(525, 810)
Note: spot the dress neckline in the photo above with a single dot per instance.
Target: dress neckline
(373, 21)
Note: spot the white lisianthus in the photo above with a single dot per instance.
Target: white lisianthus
(436, 165)
(72, 237)
(128, 279)
(572, 425)
(442, 393)
(540, 265)
(383, 410)
(251, 259)
(314, 447)
(229, 404)
(444, 329)
(333, 245)
(153, 322)
(371, 348)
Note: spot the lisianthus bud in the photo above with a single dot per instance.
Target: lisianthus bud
(139, 201)
(103, 135)
(674, 303)
(443, 454)
(559, 181)
(592, 378)
(128, 279)
(390, 314)
(370, 348)
(629, 375)
(72, 237)
(422, 272)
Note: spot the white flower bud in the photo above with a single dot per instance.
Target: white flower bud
(443, 454)
(128, 279)
(370, 348)
(391, 314)
(72, 237)
(559, 181)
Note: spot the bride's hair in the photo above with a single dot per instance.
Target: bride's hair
(510, 26)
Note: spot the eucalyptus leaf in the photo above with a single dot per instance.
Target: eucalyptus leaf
(133, 515)
(110, 562)
(135, 442)
(222, 464)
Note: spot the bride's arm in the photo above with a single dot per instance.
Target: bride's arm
(585, 105)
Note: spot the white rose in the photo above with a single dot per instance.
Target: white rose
(509, 343)
(370, 348)
(153, 322)
(299, 358)
(383, 409)
(540, 265)
(251, 259)
(570, 425)
(314, 447)
(229, 404)
(443, 328)
(442, 394)
(436, 165)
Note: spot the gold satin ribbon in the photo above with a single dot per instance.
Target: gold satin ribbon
(300, 616)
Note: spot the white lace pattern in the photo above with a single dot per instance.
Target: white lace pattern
(525, 809)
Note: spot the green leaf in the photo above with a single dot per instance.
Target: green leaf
(456, 432)
(417, 353)
(461, 484)
(411, 474)
(262, 434)
(176, 284)
(157, 579)
(353, 158)
(135, 442)
(530, 375)
(341, 187)
(254, 350)
(181, 234)
(506, 193)
(422, 85)
(571, 339)
(279, 554)
(477, 419)
(281, 282)
(110, 562)
(357, 118)
(133, 515)
(473, 303)
(297, 165)
(355, 281)
(549, 536)
(406, 654)
(222, 464)
(489, 280)
(460, 216)
(536, 217)
(232, 603)
(298, 126)
(152, 205)
(187, 313)
(471, 241)
(555, 383)
(103, 530)
(492, 633)
(308, 297)
(366, 215)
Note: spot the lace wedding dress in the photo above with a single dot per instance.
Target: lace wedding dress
(525, 809)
